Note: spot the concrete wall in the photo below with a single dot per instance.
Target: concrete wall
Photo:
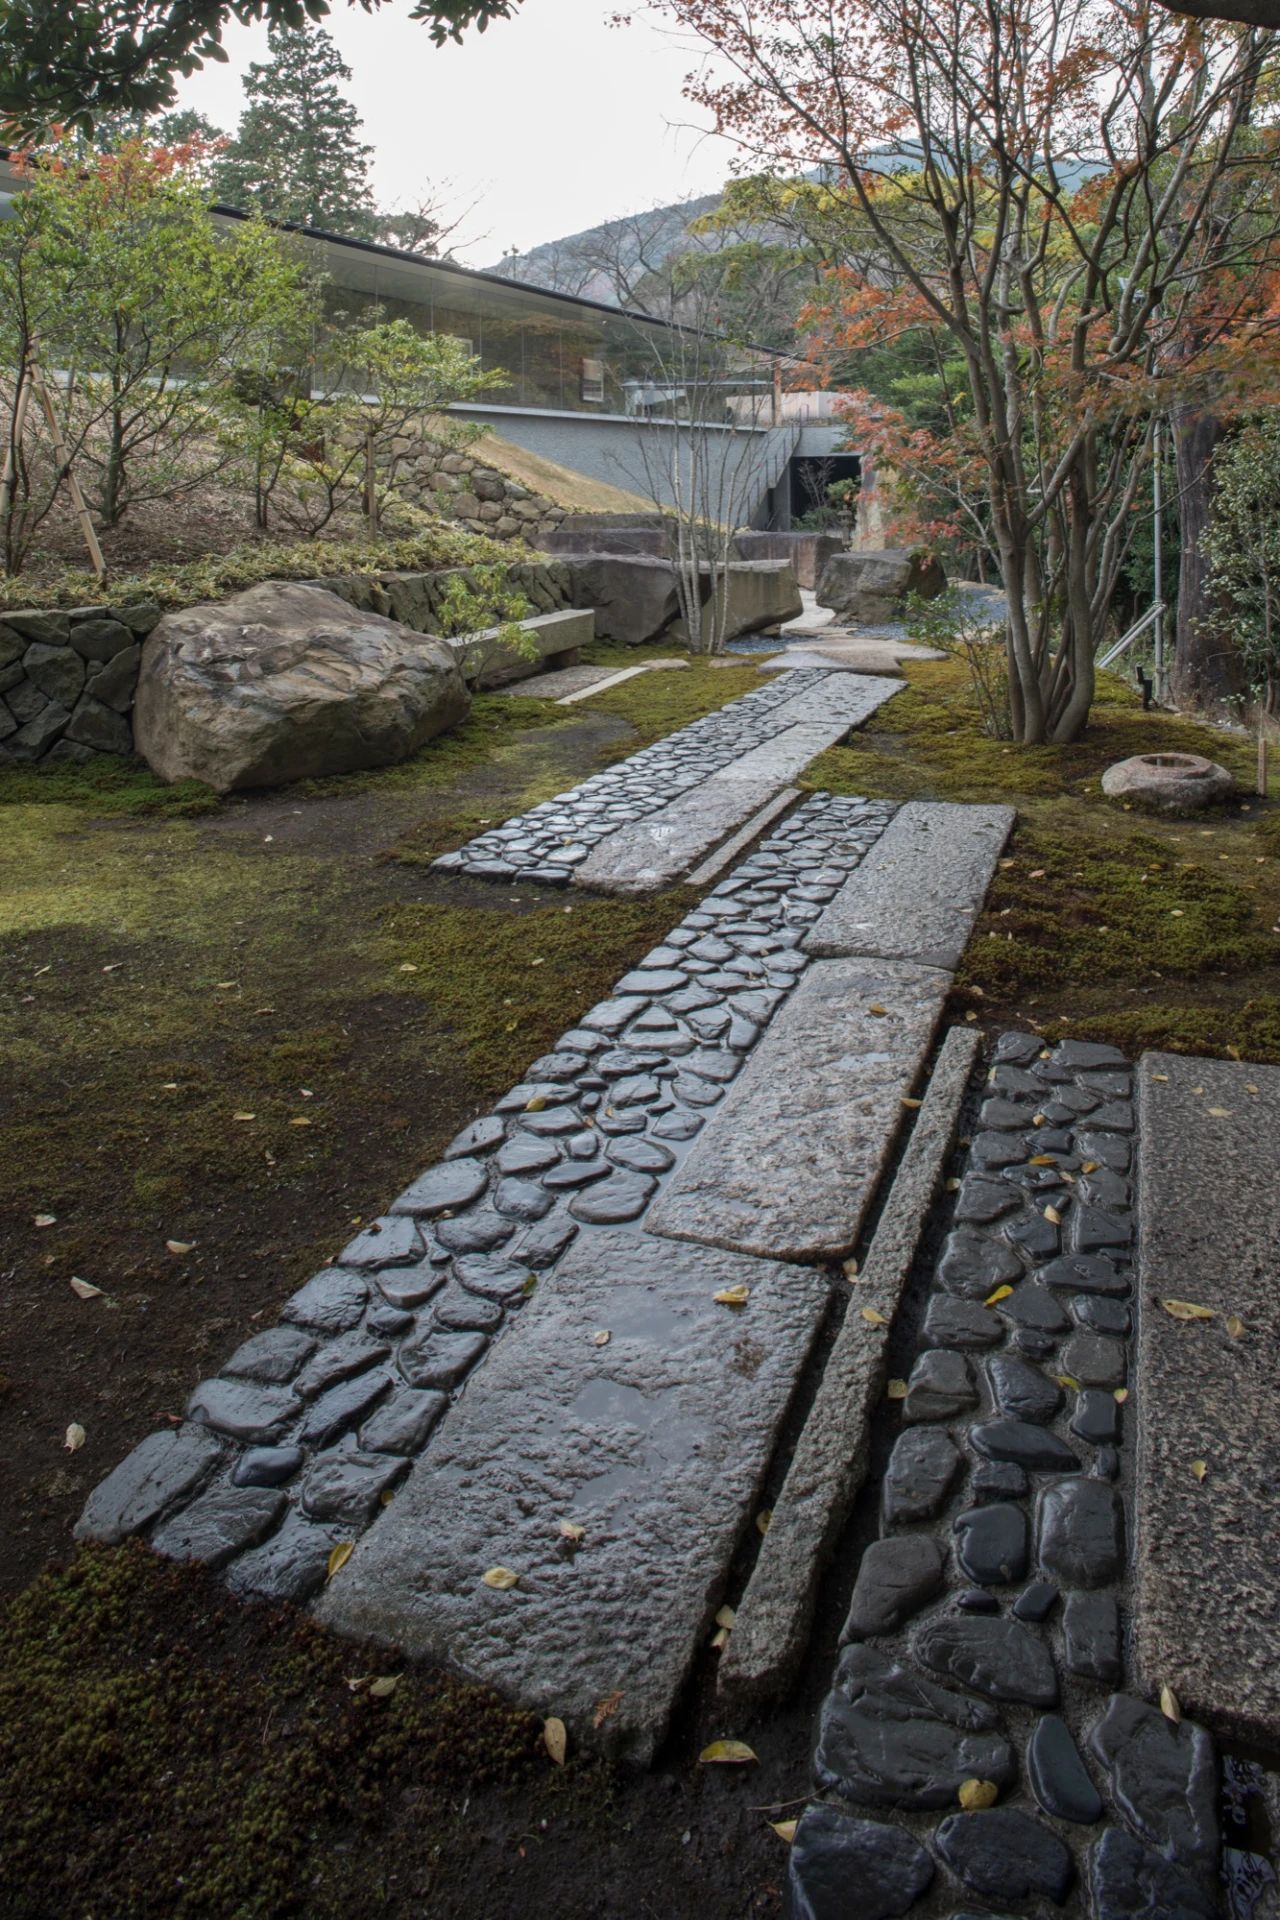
(612, 447)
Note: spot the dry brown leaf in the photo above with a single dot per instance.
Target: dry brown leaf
(74, 1438)
(606, 1708)
(1187, 1310)
(975, 1794)
(726, 1753)
(877, 1009)
(1169, 1706)
(555, 1740)
(1089, 1166)
(339, 1557)
(732, 1296)
(84, 1289)
(1041, 1160)
(500, 1578)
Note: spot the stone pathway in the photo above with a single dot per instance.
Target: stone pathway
(649, 820)
(569, 685)
(984, 1647)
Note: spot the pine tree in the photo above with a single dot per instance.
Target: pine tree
(296, 153)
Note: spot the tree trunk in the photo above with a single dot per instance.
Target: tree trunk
(1206, 666)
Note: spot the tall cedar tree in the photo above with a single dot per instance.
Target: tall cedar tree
(297, 154)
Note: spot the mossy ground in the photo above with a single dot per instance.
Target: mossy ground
(1144, 931)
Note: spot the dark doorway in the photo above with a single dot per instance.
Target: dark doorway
(810, 479)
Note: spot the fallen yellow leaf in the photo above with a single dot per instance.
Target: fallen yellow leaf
(384, 1686)
(536, 1104)
(874, 1317)
(1235, 1326)
(975, 1794)
(1068, 1380)
(850, 1270)
(719, 1639)
(244, 1116)
(726, 1617)
(339, 1557)
(993, 1299)
(1052, 1215)
(83, 1289)
(500, 1578)
(877, 1009)
(606, 1708)
(1169, 1706)
(1199, 1469)
(75, 1437)
(570, 1530)
(1187, 1310)
(764, 1520)
(555, 1739)
(896, 1390)
(785, 1829)
(732, 1296)
(300, 1120)
(1121, 1394)
(45, 1220)
(181, 1246)
(726, 1753)
(601, 1337)
(911, 1103)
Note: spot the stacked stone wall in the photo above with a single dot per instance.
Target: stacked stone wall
(463, 487)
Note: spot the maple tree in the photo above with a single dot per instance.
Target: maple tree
(1082, 197)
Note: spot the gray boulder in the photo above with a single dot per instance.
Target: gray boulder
(1168, 782)
(636, 600)
(287, 682)
(872, 586)
(807, 553)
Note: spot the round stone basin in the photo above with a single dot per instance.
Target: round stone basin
(1168, 782)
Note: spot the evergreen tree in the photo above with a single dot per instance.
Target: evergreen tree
(297, 154)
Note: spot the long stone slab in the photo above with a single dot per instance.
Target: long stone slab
(654, 1442)
(838, 699)
(1206, 1593)
(833, 1452)
(919, 891)
(663, 847)
(789, 1164)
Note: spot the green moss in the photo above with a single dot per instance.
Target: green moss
(165, 1754)
(656, 704)
(539, 969)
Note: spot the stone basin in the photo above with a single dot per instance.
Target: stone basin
(1168, 782)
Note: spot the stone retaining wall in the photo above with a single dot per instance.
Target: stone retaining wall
(462, 487)
(68, 676)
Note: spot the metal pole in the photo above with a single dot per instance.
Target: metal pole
(1157, 536)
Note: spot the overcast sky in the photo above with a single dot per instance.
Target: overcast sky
(549, 122)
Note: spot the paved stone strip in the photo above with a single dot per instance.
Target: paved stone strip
(832, 1454)
(984, 1641)
(789, 1166)
(1208, 1432)
(551, 842)
(922, 888)
(640, 1414)
(292, 1448)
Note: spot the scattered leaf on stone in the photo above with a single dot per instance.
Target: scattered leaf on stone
(45, 1220)
(1199, 1468)
(976, 1794)
(1159, 1076)
(785, 1829)
(1040, 1160)
(500, 1578)
(181, 1246)
(74, 1438)
(606, 1708)
(1068, 1380)
(1187, 1310)
(726, 1753)
(850, 1270)
(732, 1296)
(1235, 1326)
(764, 1520)
(601, 1338)
(994, 1299)
(1220, 1113)
(1121, 1394)
(726, 1617)
(911, 1103)
(1169, 1706)
(555, 1739)
(386, 1684)
(896, 1390)
(339, 1557)
(874, 1317)
(84, 1288)
(570, 1530)
(953, 1186)
(1052, 1215)
(1089, 1166)
(720, 1639)
(536, 1104)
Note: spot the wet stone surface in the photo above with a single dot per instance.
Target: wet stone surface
(1013, 1449)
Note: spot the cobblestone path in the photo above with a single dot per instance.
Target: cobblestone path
(762, 741)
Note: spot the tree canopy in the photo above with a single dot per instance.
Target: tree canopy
(66, 62)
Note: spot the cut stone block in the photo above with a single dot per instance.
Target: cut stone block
(656, 1445)
(789, 1163)
(1209, 1215)
(921, 887)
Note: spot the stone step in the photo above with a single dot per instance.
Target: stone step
(1206, 1596)
(920, 890)
(654, 1441)
(789, 1164)
(832, 1455)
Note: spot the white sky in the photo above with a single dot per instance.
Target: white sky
(549, 122)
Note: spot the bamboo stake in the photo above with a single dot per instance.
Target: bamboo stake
(73, 485)
(1262, 764)
(9, 477)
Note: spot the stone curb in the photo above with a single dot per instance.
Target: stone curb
(830, 1461)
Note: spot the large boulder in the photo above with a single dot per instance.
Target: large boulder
(872, 586)
(807, 552)
(287, 682)
(636, 601)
